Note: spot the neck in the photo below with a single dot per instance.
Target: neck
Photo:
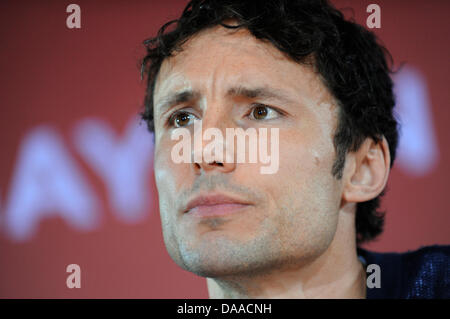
(336, 273)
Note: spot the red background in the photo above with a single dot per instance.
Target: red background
(58, 76)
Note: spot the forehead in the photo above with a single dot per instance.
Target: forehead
(220, 58)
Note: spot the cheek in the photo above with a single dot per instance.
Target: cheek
(162, 168)
(304, 178)
(306, 192)
(169, 184)
(305, 159)
(170, 171)
(169, 177)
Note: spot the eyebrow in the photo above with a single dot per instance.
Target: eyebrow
(239, 91)
(177, 98)
(258, 92)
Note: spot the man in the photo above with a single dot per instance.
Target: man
(321, 86)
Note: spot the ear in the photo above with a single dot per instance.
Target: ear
(366, 171)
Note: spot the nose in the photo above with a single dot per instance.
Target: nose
(210, 148)
(222, 167)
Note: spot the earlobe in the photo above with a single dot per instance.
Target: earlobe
(367, 172)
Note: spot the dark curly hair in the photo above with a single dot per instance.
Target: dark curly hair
(353, 66)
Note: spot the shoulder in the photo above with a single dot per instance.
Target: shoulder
(422, 273)
(427, 272)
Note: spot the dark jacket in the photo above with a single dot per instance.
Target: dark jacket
(424, 273)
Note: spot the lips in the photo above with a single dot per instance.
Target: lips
(214, 205)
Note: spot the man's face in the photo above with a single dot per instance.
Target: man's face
(284, 219)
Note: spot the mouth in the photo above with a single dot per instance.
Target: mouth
(215, 205)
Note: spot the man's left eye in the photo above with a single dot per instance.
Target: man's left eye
(263, 112)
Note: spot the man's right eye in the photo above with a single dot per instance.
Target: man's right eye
(181, 119)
